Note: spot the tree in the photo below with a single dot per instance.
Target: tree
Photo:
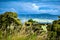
(11, 14)
(59, 17)
(31, 20)
(7, 19)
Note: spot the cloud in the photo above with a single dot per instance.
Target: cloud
(30, 7)
(48, 11)
(12, 10)
(33, 7)
(2, 10)
(43, 20)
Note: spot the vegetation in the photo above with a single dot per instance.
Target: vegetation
(9, 23)
(54, 30)
(31, 20)
(11, 28)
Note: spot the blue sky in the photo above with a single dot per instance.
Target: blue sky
(31, 6)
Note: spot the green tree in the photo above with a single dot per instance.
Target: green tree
(55, 32)
(7, 19)
(31, 20)
(59, 17)
(10, 14)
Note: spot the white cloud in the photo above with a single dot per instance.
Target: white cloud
(35, 7)
(12, 10)
(30, 7)
(2, 10)
(48, 11)
(43, 20)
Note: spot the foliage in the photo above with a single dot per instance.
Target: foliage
(52, 35)
(10, 24)
(11, 14)
(31, 20)
(9, 20)
(58, 16)
(56, 25)
(54, 30)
